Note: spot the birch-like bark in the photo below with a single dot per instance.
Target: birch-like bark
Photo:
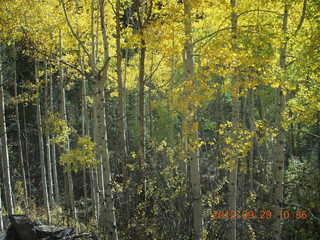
(20, 150)
(121, 111)
(1, 207)
(63, 112)
(192, 135)
(94, 194)
(83, 114)
(98, 172)
(233, 176)
(251, 157)
(41, 151)
(53, 150)
(5, 154)
(108, 218)
(170, 97)
(26, 135)
(1, 212)
(84, 132)
(141, 19)
(48, 146)
(279, 145)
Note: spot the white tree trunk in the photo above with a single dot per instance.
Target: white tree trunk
(24, 179)
(1, 212)
(121, 112)
(48, 146)
(41, 151)
(5, 154)
(279, 148)
(108, 212)
(233, 176)
(190, 120)
(63, 112)
(53, 151)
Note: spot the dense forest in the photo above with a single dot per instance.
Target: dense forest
(162, 119)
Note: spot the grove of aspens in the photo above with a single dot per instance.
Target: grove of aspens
(162, 119)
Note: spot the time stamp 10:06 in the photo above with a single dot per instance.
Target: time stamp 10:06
(261, 214)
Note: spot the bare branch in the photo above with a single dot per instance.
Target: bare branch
(259, 10)
(74, 34)
(112, 6)
(211, 35)
(311, 134)
(216, 33)
(303, 15)
(155, 70)
(53, 58)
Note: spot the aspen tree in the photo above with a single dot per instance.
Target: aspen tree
(4, 143)
(93, 172)
(121, 109)
(84, 132)
(47, 137)
(279, 146)
(109, 219)
(69, 195)
(141, 22)
(26, 134)
(1, 212)
(53, 149)
(233, 176)
(41, 150)
(20, 150)
(192, 134)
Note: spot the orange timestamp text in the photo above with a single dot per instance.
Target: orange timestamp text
(258, 214)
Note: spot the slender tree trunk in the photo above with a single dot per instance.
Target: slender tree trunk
(20, 150)
(1, 207)
(84, 132)
(94, 194)
(170, 92)
(141, 147)
(26, 148)
(109, 218)
(141, 116)
(53, 150)
(98, 178)
(121, 112)
(279, 148)
(251, 158)
(191, 121)
(94, 178)
(41, 151)
(233, 177)
(48, 146)
(5, 154)
(63, 112)
(1, 212)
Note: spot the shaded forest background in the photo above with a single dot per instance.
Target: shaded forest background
(162, 119)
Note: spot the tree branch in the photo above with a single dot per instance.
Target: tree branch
(303, 15)
(74, 34)
(54, 57)
(311, 134)
(154, 70)
(112, 7)
(259, 10)
(216, 32)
